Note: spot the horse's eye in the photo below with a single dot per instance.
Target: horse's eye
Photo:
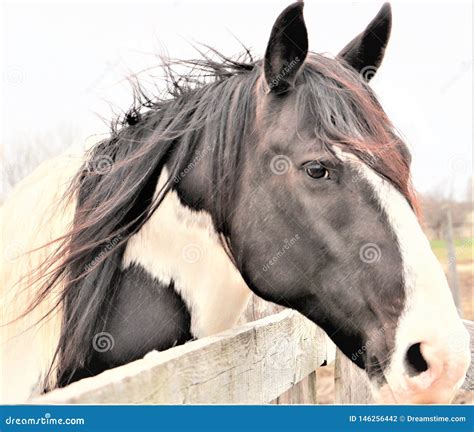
(316, 170)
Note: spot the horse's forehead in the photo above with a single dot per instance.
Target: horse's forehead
(286, 124)
(290, 140)
(275, 114)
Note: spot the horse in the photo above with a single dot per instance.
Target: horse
(160, 233)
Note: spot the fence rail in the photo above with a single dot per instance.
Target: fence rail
(252, 364)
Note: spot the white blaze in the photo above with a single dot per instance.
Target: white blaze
(430, 315)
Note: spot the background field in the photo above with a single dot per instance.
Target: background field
(464, 258)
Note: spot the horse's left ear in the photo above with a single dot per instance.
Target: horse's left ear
(366, 51)
(286, 49)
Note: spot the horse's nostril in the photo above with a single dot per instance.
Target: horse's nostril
(415, 363)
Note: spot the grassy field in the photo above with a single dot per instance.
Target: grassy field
(465, 266)
(463, 247)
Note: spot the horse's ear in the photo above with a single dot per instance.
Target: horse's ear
(366, 51)
(286, 49)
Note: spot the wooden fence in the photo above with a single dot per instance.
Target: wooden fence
(270, 360)
(254, 363)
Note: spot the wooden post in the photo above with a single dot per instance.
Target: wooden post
(304, 391)
(452, 265)
(351, 383)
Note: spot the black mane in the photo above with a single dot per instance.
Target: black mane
(116, 188)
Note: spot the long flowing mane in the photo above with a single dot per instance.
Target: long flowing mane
(216, 101)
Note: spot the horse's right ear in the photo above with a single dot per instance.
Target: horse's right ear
(286, 49)
(366, 51)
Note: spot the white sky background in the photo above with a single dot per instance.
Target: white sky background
(65, 63)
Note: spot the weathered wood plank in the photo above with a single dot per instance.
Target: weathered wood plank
(254, 363)
(351, 382)
(258, 308)
(352, 385)
(303, 391)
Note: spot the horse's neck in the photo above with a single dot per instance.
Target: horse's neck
(181, 245)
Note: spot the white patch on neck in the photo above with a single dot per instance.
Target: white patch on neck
(180, 244)
(430, 314)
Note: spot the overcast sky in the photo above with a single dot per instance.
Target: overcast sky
(65, 63)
